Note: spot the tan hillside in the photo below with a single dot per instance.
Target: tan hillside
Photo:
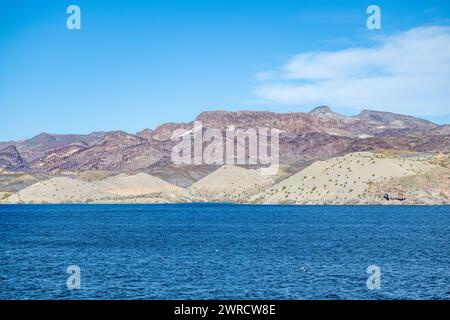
(58, 190)
(342, 179)
(17, 181)
(4, 195)
(116, 189)
(357, 178)
(139, 184)
(230, 183)
(92, 175)
(429, 188)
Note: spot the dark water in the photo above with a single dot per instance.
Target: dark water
(204, 251)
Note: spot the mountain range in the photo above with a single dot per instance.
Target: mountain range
(325, 158)
(305, 137)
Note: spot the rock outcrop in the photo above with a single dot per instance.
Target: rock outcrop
(11, 160)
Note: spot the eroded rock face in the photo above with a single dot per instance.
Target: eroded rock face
(319, 120)
(44, 143)
(398, 196)
(117, 151)
(429, 187)
(11, 160)
(146, 134)
(394, 120)
(164, 131)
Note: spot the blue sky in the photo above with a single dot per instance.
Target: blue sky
(135, 65)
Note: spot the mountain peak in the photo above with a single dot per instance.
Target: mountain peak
(321, 110)
(389, 117)
(120, 137)
(146, 134)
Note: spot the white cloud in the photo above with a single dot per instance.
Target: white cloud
(406, 73)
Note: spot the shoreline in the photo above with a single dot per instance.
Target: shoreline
(232, 204)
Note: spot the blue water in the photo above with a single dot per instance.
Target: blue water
(220, 251)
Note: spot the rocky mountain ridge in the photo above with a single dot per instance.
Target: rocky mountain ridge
(319, 134)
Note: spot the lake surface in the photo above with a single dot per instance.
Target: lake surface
(222, 251)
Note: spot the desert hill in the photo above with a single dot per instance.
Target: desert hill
(140, 184)
(392, 177)
(230, 183)
(59, 190)
(325, 157)
(346, 179)
(112, 189)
